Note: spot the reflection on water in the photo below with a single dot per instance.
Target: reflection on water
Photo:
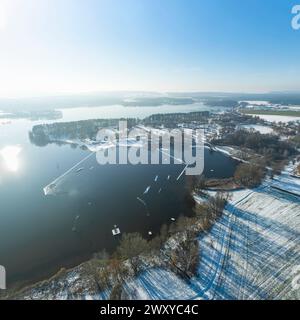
(39, 235)
(10, 156)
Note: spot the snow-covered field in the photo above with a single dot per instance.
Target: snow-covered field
(276, 118)
(259, 128)
(287, 181)
(250, 253)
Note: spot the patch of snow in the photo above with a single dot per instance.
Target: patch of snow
(259, 128)
(277, 118)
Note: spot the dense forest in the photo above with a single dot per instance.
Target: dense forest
(88, 129)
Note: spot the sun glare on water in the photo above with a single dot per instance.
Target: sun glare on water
(10, 155)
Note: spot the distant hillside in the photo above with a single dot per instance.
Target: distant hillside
(143, 99)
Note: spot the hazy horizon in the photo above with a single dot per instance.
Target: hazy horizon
(147, 93)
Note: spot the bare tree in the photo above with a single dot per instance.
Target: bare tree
(217, 203)
(132, 245)
(186, 256)
(249, 175)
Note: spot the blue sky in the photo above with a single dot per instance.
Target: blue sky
(52, 46)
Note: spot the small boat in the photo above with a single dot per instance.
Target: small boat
(173, 219)
(169, 177)
(116, 231)
(156, 178)
(150, 233)
(159, 191)
(79, 169)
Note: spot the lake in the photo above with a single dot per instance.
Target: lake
(40, 234)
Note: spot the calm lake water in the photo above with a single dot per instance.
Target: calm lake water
(40, 234)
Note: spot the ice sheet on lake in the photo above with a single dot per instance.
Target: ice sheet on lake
(52, 187)
(147, 190)
(142, 201)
